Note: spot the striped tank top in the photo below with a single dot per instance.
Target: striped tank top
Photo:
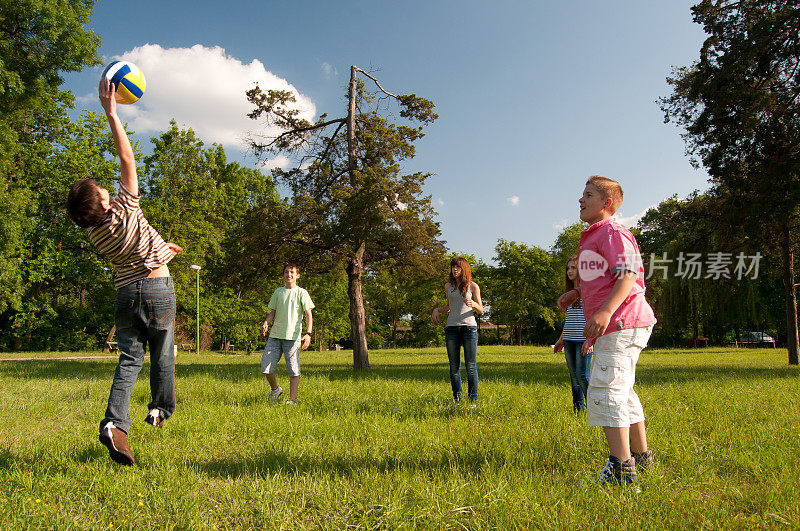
(575, 323)
(128, 241)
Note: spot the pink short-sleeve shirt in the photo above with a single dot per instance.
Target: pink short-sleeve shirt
(607, 249)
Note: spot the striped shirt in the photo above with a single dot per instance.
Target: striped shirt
(128, 241)
(575, 323)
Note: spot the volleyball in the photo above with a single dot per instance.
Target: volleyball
(128, 81)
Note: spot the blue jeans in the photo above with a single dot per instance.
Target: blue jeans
(579, 367)
(463, 336)
(144, 315)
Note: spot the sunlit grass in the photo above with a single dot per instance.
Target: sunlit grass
(387, 448)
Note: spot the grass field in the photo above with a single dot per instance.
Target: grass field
(388, 448)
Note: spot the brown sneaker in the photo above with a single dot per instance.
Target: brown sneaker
(116, 441)
(643, 460)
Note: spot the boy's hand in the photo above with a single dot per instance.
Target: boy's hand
(565, 300)
(175, 248)
(559, 346)
(596, 324)
(264, 329)
(106, 92)
(586, 348)
(306, 341)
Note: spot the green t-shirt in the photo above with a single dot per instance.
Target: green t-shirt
(289, 306)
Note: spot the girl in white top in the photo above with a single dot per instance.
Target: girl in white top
(463, 298)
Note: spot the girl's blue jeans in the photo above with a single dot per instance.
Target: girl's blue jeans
(145, 316)
(579, 367)
(455, 338)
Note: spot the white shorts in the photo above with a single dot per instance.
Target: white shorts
(611, 400)
(272, 355)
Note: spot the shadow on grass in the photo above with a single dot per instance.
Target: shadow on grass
(89, 454)
(524, 372)
(471, 462)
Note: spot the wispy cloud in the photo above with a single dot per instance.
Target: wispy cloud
(561, 225)
(202, 88)
(329, 70)
(279, 161)
(513, 200)
(631, 221)
(440, 201)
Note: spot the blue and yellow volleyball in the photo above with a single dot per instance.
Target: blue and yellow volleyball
(128, 81)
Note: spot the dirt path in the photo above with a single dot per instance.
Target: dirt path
(107, 357)
(62, 358)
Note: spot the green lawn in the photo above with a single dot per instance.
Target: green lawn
(388, 448)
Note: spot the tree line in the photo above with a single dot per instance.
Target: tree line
(364, 231)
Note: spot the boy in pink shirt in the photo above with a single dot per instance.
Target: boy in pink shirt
(618, 323)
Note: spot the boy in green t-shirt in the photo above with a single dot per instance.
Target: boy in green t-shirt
(287, 305)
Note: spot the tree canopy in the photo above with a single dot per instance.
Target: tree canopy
(740, 108)
(351, 202)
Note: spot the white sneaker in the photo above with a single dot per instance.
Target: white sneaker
(275, 394)
(154, 418)
(291, 403)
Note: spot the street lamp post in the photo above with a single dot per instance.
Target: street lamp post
(197, 344)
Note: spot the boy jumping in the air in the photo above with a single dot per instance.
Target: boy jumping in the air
(619, 322)
(288, 304)
(145, 307)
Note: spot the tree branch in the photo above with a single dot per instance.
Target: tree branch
(376, 82)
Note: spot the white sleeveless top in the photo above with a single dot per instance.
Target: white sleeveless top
(460, 313)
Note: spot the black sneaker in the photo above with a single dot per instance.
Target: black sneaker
(619, 472)
(154, 418)
(643, 460)
(116, 441)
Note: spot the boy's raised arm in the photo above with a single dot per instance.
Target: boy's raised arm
(128, 177)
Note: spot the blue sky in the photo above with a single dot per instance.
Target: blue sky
(532, 97)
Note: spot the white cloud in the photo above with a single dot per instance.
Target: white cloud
(204, 89)
(631, 221)
(561, 225)
(278, 162)
(329, 70)
(440, 201)
(513, 200)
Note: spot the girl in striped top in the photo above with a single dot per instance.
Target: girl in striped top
(571, 341)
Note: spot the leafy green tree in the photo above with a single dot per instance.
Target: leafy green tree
(329, 293)
(740, 109)
(194, 197)
(688, 304)
(521, 289)
(63, 278)
(566, 245)
(351, 203)
(39, 39)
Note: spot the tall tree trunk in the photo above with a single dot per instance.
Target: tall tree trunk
(355, 264)
(351, 127)
(358, 325)
(791, 296)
